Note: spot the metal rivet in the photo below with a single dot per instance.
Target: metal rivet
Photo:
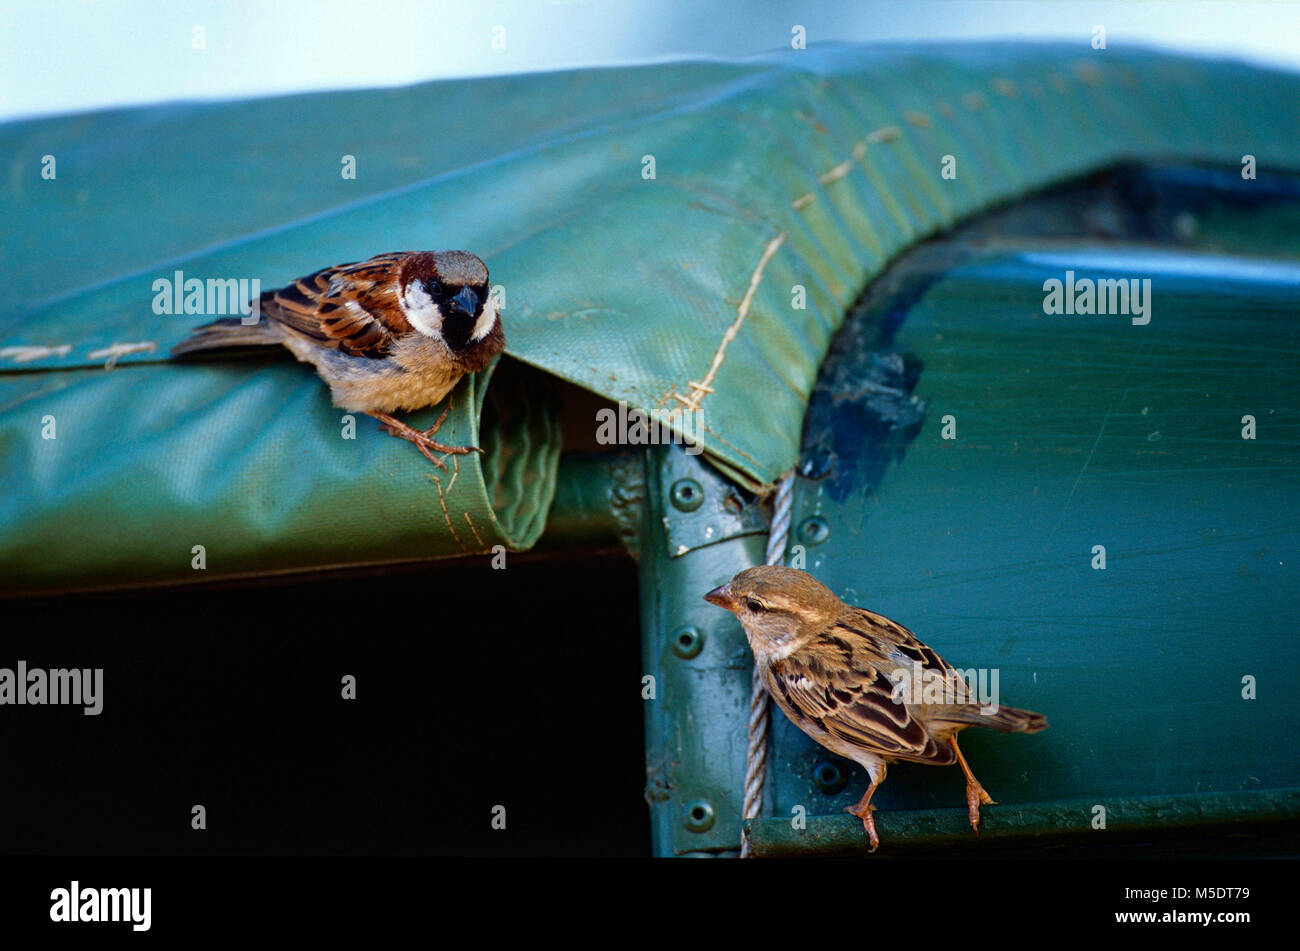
(830, 777)
(815, 530)
(687, 495)
(698, 816)
(687, 642)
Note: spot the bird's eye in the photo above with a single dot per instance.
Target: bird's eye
(434, 287)
(754, 605)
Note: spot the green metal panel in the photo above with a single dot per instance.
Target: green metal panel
(695, 755)
(1070, 432)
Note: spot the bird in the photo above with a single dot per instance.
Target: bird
(840, 674)
(395, 332)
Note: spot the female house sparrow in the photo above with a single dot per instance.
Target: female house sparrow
(396, 332)
(833, 671)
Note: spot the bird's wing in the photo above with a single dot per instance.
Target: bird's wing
(348, 307)
(892, 641)
(840, 680)
(901, 645)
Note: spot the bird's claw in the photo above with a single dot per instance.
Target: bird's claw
(976, 797)
(868, 823)
(423, 439)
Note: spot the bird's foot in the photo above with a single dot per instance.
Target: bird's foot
(976, 797)
(975, 794)
(423, 438)
(863, 811)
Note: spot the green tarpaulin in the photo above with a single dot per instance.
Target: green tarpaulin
(679, 236)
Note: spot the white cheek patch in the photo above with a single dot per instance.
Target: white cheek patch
(420, 310)
(486, 320)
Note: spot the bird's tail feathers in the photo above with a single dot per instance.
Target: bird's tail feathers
(1006, 720)
(227, 332)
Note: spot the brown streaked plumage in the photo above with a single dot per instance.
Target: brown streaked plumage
(833, 669)
(395, 332)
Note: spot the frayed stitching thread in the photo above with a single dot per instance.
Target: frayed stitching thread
(110, 355)
(442, 501)
(477, 537)
(975, 101)
(22, 354)
(701, 388)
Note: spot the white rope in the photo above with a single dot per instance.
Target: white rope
(756, 755)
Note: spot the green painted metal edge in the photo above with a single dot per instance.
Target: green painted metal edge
(1046, 824)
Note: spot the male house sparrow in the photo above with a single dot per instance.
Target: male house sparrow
(396, 332)
(833, 671)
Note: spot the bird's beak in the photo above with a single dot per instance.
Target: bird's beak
(466, 301)
(721, 596)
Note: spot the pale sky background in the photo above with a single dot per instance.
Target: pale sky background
(72, 55)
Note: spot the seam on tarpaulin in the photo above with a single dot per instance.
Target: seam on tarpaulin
(731, 446)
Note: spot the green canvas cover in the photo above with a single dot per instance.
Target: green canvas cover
(681, 236)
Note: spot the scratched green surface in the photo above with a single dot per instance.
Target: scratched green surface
(623, 285)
